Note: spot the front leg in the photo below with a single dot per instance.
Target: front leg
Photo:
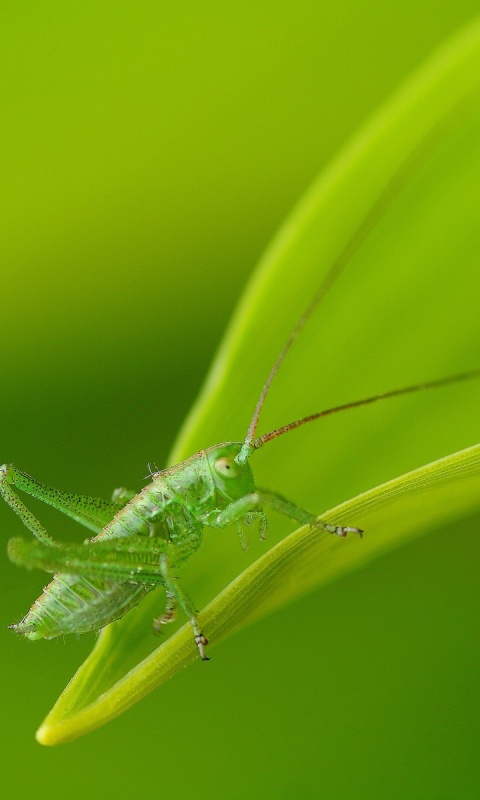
(289, 509)
(245, 510)
(253, 503)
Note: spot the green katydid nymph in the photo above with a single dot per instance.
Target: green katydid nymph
(144, 538)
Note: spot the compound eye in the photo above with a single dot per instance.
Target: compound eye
(226, 467)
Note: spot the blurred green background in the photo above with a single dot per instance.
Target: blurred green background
(125, 127)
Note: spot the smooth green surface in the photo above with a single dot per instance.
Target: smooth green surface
(392, 155)
(152, 152)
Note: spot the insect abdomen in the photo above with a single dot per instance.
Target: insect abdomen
(72, 604)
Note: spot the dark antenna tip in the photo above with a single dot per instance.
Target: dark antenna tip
(390, 191)
(418, 387)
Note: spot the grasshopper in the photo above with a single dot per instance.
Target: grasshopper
(146, 537)
(142, 539)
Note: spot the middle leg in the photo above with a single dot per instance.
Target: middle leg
(185, 604)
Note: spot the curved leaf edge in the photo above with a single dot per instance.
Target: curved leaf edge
(441, 491)
(445, 85)
(448, 75)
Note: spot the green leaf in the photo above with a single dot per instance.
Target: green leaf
(308, 558)
(401, 312)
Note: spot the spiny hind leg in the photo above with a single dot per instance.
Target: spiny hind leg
(172, 587)
(9, 476)
(133, 561)
(93, 512)
(169, 615)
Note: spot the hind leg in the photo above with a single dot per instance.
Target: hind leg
(136, 561)
(92, 512)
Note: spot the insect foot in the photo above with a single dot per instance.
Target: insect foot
(341, 530)
(201, 641)
(159, 622)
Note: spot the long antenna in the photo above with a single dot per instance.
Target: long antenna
(419, 387)
(383, 201)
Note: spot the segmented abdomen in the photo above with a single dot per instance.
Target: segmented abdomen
(72, 604)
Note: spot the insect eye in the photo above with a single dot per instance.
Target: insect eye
(226, 467)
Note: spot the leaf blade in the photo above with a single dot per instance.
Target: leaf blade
(306, 559)
(304, 249)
